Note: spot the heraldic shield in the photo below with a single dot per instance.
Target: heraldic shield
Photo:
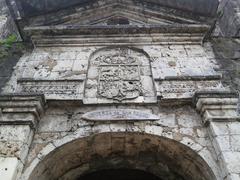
(119, 77)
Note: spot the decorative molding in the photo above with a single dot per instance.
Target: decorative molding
(53, 89)
(217, 106)
(119, 35)
(180, 89)
(18, 109)
(190, 78)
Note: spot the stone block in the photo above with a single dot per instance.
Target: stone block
(188, 71)
(232, 160)
(233, 177)
(170, 72)
(208, 157)
(153, 129)
(161, 62)
(98, 128)
(67, 55)
(201, 132)
(46, 150)
(54, 123)
(191, 143)
(168, 120)
(187, 132)
(39, 56)
(83, 56)
(194, 50)
(219, 128)
(148, 89)
(15, 133)
(65, 65)
(8, 168)
(188, 120)
(223, 143)
(234, 128)
(92, 72)
(80, 65)
(118, 127)
(235, 142)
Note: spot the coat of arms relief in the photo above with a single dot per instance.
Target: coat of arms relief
(119, 75)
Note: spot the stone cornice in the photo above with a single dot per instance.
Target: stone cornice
(124, 35)
(21, 109)
(114, 29)
(217, 105)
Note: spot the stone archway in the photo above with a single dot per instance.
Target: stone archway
(159, 156)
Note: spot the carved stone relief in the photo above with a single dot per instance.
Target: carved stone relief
(118, 75)
(184, 88)
(53, 89)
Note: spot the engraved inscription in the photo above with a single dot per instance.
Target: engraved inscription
(119, 115)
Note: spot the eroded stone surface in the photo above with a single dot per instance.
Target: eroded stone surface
(155, 64)
(59, 76)
(119, 115)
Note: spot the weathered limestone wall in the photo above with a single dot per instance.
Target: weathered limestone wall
(66, 67)
(178, 72)
(63, 122)
(226, 138)
(19, 116)
(14, 145)
(219, 113)
(171, 76)
(225, 133)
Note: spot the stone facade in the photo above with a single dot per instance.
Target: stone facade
(119, 90)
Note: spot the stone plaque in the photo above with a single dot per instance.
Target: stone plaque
(119, 115)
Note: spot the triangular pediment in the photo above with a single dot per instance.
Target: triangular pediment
(101, 21)
(118, 18)
(116, 14)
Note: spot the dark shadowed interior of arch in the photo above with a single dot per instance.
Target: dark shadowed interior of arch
(119, 174)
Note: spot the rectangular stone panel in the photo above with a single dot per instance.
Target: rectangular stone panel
(185, 88)
(53, 89)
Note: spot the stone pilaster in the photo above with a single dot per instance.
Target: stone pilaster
(219, 114)
(19, 115)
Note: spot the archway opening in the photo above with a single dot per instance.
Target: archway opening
(119, 174)
(119, 154)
